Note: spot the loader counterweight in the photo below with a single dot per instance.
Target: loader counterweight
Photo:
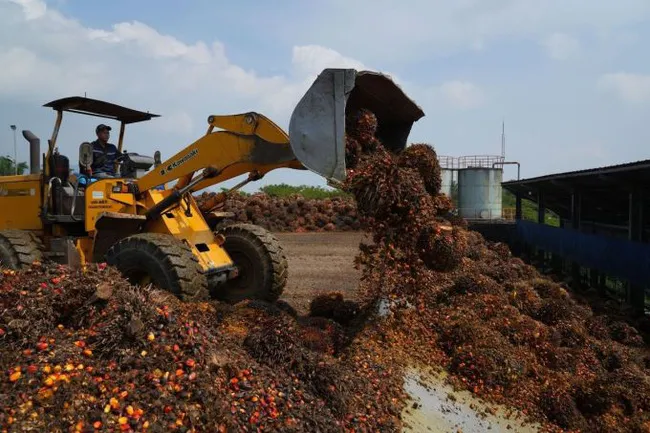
(20, 200)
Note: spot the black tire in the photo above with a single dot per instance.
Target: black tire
(19, 249)
(162, 260)
(263, 266)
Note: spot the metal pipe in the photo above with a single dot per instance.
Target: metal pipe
(13, 128)
(156, 210)
(34, 151)
(120, 142)
(52, 142)
(55, 132)
(509, 162)
(49, 194)
(219, 198)
(184, 181)
(74, 200)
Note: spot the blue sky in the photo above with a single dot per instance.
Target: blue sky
(571, 78)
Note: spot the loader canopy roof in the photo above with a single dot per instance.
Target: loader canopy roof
(94, 107)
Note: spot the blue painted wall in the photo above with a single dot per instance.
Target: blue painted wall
(616, 257)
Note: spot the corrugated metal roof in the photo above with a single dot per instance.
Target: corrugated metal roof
(604, 192)
(628, 166)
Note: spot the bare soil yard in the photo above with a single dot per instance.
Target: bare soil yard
(320, 263)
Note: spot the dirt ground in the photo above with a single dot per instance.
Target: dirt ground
(319, 263)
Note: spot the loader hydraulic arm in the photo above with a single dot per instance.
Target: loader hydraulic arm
(247, 142)
(251, 143)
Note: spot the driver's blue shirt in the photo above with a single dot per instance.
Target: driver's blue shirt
(104, 158)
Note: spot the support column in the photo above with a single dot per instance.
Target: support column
(636, 293)
(602, 284)
(541, 211)
(576, 211)
(594, 279)
(518, 242)
(557, 264)
(636, 217)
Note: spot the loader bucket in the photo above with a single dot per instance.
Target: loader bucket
(317, 125)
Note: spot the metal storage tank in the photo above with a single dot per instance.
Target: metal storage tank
(479, 193)
(447, 177)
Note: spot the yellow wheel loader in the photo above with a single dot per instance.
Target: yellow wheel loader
(154, 233)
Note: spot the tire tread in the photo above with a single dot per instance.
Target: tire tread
(276, 268)
(20, 248)
(185, 277)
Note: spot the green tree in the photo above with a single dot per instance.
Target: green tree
(307, 191)
(529, 209)
(240, 192)
(8, 166)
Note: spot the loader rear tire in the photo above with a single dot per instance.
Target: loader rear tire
(262, 264)
(161, 260)
(19, 249)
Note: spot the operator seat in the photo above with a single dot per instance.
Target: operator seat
(85, 158)
(63, 191)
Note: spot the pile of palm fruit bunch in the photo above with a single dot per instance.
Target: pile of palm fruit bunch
(84, 351)
(290, 214)
(501, 329)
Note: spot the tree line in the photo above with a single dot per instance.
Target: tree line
(8, 166)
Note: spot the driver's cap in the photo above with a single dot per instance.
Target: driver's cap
(102, 127)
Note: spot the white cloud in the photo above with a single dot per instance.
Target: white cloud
(477, 45)
(629, 87)
(560, 46)
(33, 9)
(462, 94)
(417, 28)
(46, 55)
(309, 60)
(177, 122)
(134, 64)
(153, 43)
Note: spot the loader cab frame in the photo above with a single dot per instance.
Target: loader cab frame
(62, 194)
(91, 107)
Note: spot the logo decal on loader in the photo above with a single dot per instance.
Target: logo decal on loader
(179, 162)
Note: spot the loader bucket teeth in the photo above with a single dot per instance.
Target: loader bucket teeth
(317, 125)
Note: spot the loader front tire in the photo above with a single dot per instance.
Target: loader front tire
(261, 261)
(161, 260)
(19, 249)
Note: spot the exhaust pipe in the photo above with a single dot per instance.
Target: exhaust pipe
(34, 152)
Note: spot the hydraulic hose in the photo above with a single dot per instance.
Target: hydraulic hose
(173, 198)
